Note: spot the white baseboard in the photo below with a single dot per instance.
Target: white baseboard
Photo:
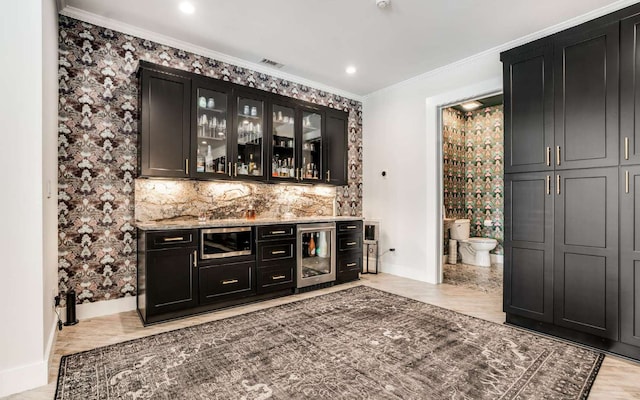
(48, 351)
(405, 272)
(102, 308)
(23, 378)
(497, 258)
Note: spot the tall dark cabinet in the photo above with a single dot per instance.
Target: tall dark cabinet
(572, 169)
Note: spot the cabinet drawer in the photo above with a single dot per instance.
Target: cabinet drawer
(273, 232)
(350, 263)
(171, 239)
(349, 226)
(217, 281)
(276, 251)
(270, 279)
(350, 242)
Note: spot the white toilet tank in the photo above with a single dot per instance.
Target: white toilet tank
(460, 229)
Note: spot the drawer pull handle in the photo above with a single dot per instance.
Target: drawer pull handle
(278, 232)
(229, 281)
(351, 227)
(173, 239)
(352, 243)
(278, 252)
(278, 277)
(352, 264)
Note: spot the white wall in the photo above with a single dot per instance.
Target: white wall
(401, 138)
(22, 331)
(49, 166)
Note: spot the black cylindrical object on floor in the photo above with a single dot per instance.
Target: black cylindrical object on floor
(71, 308)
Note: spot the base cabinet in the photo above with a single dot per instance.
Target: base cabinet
(630, 256)
(349, 250)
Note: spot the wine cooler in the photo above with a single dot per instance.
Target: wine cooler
(316, 254)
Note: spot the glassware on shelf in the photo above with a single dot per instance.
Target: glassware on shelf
(202, 102)
(211, 103)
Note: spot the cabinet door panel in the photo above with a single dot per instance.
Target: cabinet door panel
(528, 102)
(165, 125)
(630, 257)
(586, 251)
(630, 90)
(337, 148)
(586, 117)
(170, 280)
(528, 269)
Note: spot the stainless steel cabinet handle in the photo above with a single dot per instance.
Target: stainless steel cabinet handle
(186, 166)
(626, 181)
(173, 239)
(195, 259)
(229, 168)
(277, 232)
(558, 155)
(626, 148)
(352, 264)
(548, 156)
(328, 175)
(235, 169)
(278, 252)
(351, 243)
(300, 173)
(351, 227)
(558, 184)
(548, 184)
(277, 277)
(229, 281)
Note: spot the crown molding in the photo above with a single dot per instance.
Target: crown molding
(132, 30)
(600, 12)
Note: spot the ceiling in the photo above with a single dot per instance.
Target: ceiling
(317, 39)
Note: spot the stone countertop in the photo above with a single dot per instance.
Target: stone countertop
(192, 223)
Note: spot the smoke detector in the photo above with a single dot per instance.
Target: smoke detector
(382, 4)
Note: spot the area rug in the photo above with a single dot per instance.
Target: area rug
(358, 343)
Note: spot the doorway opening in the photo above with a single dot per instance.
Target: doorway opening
(472, 193)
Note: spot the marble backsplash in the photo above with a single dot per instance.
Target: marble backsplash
(157, 200)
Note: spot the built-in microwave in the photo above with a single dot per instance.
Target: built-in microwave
(225, 242)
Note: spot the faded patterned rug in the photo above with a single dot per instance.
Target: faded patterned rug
(358, 343)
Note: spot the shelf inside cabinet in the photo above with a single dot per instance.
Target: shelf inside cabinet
(216, 139)
(256, 117)
(216, 110)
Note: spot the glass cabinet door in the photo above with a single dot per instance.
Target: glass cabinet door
(250, 143)
(212, 114)
(283, 162)
(311, 145)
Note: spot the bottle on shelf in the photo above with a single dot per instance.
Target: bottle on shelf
(252, 165)
(312, 247)
(200, 161)
(209, 160)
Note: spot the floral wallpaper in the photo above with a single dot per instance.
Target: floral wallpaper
(97, 149)
(481, 131)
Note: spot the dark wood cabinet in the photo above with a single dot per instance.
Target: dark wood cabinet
(630, 90)
(528, 245)
(528, 105)
(218, 282)
(586, 251)
(586, 97)
(630, 256)
(167, 268)
(203, 128)
(164, 125)
(337, 152)
(349, 250)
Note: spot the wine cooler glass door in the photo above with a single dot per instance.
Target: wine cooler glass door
(316, 254)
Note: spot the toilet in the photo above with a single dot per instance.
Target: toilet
(474, 251)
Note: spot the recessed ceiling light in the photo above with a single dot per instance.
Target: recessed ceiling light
(187, 7)
(471, 105)
(351, 70)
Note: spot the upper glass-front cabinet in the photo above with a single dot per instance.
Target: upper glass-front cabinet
(311, 146)
(250, 122)
(212, 114)
(284, 142)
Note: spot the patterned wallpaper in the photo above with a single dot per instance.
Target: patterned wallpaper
(481, 131)
(97, 142)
